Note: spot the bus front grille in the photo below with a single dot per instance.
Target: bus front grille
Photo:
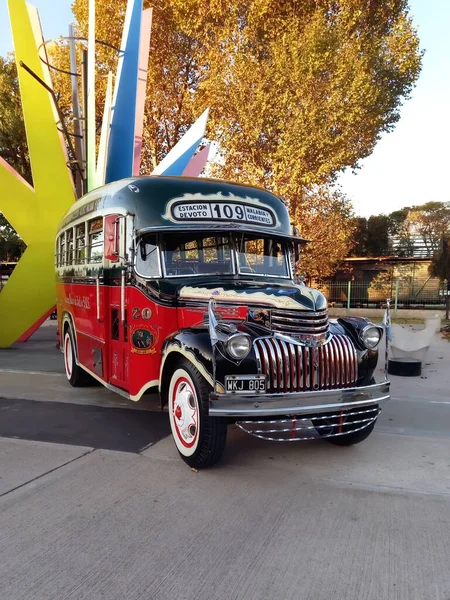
(293, 368)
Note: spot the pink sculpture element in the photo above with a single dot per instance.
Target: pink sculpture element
(144, 50)
(15, 174)
(197, 163)
(29, 332)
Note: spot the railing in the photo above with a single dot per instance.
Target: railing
(412, 293)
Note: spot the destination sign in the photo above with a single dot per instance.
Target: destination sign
(222, 211)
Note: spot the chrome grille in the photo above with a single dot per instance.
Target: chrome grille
(296, 322)
(292, 368)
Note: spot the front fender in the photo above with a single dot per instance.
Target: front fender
(367, 359)
(195, 345)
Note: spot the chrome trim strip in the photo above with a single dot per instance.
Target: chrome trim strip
(302, 313)
(299, 361)
(298, 329)
(292, 366)
(345, 361)
(332, 363)
(266, 369)
(323, 320)
(258, 358)
(322, 367)
(306, 366)
(297, 403)
(272, 365)
(315, 368)
(353, 362)
(286, 366)
(279, 355)
(338, 351)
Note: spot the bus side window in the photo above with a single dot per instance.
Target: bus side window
(69, 246)
(95, 249)
(80, 243)
(147, 259)
(62, 250)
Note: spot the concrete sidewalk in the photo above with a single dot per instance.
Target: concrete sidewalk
(306, 521)
(301, 522)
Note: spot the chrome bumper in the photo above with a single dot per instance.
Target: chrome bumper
(298, 403)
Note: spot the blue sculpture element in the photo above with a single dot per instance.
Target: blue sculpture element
(121, 141)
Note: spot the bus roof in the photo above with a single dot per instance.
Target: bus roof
(177, 203)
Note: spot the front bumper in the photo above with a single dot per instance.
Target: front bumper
(298, 403)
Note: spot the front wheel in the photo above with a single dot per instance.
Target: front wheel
(199, 438)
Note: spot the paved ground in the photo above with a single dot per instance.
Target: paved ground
(35, 372)
(306, 521)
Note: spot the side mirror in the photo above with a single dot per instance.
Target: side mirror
(111, 239)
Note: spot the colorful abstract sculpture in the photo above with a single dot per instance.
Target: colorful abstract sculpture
(35, 212)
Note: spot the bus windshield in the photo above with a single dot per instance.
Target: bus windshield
(197, 254)
(262, 256)
(204, 253)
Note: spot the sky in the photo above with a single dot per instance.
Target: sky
(409, 165)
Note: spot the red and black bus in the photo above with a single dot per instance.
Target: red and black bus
(187, 286)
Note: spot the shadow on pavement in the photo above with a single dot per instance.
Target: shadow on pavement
(121, 429)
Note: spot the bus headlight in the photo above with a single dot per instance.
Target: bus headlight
(238, 346)
(371, 337)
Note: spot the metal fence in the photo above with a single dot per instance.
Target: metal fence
(405, 293)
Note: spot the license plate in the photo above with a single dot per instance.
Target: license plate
(245, 384)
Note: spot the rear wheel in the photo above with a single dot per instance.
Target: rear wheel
(76, 376)
(349, 427)
(351, 439)
(199, 438)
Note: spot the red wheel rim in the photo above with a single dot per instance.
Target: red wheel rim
(184, 407)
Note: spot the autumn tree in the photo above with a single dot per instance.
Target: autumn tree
(430, 222)
(440, 267)
(13, 141)
(359, 239)
(371, 236)
(298, 91)
(325, 217)
(400, 232)
(11, 246)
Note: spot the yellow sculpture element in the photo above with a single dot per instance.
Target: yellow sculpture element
(34, 212)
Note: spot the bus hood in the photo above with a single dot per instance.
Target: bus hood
(287, 296)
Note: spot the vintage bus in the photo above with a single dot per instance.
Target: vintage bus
(187, 286)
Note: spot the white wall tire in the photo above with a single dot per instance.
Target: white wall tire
(199, 438)
(69, 357)
(184, 412)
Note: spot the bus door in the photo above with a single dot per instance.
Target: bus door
(115, 245)
(118, 344)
